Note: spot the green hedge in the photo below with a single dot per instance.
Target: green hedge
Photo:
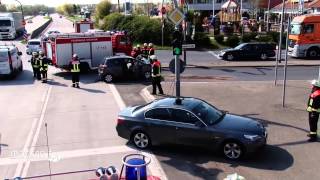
(139, 28)
(219, 38)
(201, 39)
(232, 41)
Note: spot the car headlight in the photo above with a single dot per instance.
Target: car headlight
(222, 53)
(252, 137)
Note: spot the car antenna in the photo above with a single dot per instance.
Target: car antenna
(178, 101)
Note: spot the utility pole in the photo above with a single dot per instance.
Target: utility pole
(280, 43)
(162, 25)
(119, 6)
(185, 34)
(285, 65)
(268, 16)
(176, 57)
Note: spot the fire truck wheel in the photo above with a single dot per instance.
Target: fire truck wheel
(108, 78)
(313, 52)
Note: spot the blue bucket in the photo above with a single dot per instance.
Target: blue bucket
(132, 171)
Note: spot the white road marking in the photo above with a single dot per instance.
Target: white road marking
(25, 147)
(117, 96)
(62, 155)
(36, 135)
(155, 166)
(214, 54)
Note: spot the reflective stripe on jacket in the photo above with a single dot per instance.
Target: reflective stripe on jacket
(156, 69)
(43, 64)
(75, 66)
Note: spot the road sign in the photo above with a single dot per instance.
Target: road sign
(188, 46)
(172, 66)
(176, 16)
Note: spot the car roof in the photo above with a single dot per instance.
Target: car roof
(186, 103)
(118, 57)
(34, 40)
(6, 47)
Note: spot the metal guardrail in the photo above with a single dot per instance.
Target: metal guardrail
(39, 30)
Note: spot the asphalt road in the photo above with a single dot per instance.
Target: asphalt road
(247, 73)
(80, 124)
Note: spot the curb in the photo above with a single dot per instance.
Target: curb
(145, 94)
(244, 65)
(35, 33)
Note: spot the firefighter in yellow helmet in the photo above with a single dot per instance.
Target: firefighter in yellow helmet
(44, 63)
(75, 70)
(314, 110)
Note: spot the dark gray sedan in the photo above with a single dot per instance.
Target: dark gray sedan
(190, 122)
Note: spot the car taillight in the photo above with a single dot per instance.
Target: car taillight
(120, 121)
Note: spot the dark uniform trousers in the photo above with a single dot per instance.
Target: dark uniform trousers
(313, 122)
(156, 82)
(75, 78)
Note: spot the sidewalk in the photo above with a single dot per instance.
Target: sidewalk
(288, 154)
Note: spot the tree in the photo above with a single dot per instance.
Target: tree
(67, 9)
(75, 9)
(3, 8)
(103, 9)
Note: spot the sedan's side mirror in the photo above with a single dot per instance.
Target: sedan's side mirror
(199, 124)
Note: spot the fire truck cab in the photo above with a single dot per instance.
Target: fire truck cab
(83, 26)
(304, 36)
(90, 47)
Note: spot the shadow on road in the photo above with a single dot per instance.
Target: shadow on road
(92, 90)
(85, 78)
(23, 78)
(190, 160)
(277, 123)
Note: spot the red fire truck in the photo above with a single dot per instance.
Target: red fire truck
(90, 47)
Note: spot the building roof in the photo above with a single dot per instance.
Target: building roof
(290, 6)
(314, 4)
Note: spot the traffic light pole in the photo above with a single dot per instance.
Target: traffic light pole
(177, 63)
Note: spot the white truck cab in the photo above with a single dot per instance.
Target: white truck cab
(10, 60)
(33, 45)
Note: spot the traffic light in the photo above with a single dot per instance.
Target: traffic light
(177, 42)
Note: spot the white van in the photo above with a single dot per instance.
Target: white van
(10, 61)
(34, 45)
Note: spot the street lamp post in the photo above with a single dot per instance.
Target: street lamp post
(21, 10)
(268, 16)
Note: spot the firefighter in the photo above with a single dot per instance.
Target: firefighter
(156, 75)
(75, 70)
(134, 52)
(139, 52)
(145, 50)
(314, 110)
(44, 63)
(151, 50)
(35, 64)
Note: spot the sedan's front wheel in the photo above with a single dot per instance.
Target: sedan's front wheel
(141, 140)
(108, 78)
(230, 57)
(232, 150)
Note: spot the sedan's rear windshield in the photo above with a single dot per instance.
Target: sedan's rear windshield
(5, 23)
(34, 43)
(3, 56)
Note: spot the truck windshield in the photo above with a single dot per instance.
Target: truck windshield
(3, 56)
(295, 29)
(5, 23)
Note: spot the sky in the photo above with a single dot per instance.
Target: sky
(55, 3)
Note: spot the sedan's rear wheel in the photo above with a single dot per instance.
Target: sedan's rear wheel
(232, 150)
(141, 140)
(108, 78)
(264, 56)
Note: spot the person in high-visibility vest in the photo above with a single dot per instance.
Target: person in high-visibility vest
(314, 110)
(35, 64)
(151, 50)
(156, 75)
(44, 63)
(145, 50)
(75, 70)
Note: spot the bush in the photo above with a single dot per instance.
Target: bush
(246, 38)
(274, 35)
(253, 35)
(232, 41)
(140, 28)
(219, 38)
(264, 38)
(202, 40)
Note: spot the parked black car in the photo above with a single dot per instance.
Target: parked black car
(249, 51)
(191, 122)
(123, 67)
